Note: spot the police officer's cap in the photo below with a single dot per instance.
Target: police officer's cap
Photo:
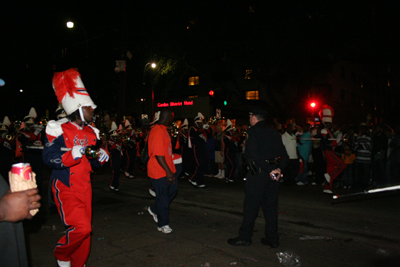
(257, 110)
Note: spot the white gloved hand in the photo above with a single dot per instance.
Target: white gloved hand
(103, 156)
(77, 152)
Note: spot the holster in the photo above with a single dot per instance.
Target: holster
(252, 167)
(255, 169)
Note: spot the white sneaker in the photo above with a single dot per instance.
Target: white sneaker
(327, 191)
(153, 214)
(201, 186)
(313, 183)
(300, 183)
(221, 176)
(127, 174)
(64, 263)
(152, 192)
(193, 183)
(112, 187)
(165, 229)
(327, 177)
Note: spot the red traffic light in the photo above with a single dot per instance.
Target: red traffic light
(211, 93)
(313, 104)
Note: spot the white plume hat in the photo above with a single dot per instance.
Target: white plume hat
(199, 117)
(185, 124)
(229, 126)
(6, 121)
(70, 91)
(114, 127)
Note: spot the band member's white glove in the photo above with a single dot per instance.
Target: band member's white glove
(77, 152)
(103, 156)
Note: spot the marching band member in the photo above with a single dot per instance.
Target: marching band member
(198, 140)
(130, 149)
(186, 152)
(334, 164)
(32, 138)
(64, 152)
(114, 145)
(230, 150)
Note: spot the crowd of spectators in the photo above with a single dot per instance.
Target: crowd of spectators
(371, 154)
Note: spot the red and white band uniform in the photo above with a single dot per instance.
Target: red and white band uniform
(334, 164)
(71, 185)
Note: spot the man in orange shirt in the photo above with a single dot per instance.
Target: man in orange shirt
(161, 169)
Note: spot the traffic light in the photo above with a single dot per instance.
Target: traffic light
(225, 102)
(211, 93)
(312, 104)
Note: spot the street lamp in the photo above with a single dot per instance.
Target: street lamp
(153, 65)
(70, 24)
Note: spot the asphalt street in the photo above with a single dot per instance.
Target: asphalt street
(351, 231)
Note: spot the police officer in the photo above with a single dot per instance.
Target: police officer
(266, 156)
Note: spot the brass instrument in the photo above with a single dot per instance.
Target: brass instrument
(173, 130)
(43, 121)
(92, 152)
(213, 121)
(10, 136)
(125, 138)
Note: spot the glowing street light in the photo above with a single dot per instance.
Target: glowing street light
(313, 105)
(70, 24)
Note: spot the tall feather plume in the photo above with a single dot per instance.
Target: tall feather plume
(65, 82)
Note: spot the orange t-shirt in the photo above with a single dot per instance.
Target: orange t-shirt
(159, 144)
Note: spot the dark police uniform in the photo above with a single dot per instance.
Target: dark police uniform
(264, 144)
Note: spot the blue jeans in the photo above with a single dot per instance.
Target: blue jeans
(302, 177)
(165, 193)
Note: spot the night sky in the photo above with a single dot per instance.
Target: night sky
(205, 36)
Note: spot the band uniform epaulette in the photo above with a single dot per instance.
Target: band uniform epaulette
(54, 129)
